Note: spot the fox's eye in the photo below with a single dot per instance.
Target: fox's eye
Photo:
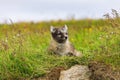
(66, 33)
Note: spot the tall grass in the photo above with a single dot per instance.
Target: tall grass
(23, 46)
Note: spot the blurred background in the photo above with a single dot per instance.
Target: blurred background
(39, 10)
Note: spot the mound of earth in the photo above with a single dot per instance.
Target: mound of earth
(101, 71)
(94, 71)
(54, 74)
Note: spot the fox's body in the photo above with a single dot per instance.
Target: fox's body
(60, 44)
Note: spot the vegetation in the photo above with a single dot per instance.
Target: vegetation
(23, 46)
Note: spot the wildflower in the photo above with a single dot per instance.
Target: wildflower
(90, 29)
(107, 36)
(112, 33)
(100, 28)
(14, 37)
(100, 37)
(72, 39)
(6, 40)
(18, 35)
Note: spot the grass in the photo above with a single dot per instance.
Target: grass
(23, 46)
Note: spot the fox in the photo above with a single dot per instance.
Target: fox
(60, 43)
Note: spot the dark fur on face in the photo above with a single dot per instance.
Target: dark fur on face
(60, 35)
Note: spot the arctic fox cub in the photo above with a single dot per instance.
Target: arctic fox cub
(60, 43)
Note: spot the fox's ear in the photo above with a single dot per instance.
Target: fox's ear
(52, 29)
(65, 28)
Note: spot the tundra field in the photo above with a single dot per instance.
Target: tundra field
(23, 46)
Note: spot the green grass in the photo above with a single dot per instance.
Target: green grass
(23, 47)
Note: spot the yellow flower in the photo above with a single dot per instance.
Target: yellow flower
(90, 29)
(100, 28)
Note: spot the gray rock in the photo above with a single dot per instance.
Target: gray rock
(77, 72)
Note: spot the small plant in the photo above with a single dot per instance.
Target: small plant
(113, 19)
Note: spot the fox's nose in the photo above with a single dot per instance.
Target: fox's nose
(65, 37)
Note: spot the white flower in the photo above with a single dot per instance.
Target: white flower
(112, 32)
(100, 37)
(107, 36)
(6, 40)
(14, 37)
(18, 35)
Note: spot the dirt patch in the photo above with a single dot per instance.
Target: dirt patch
(54, 74)
(101, 71)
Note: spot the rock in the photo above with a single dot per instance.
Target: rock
(77, 72)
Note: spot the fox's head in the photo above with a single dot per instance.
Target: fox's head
(60, 35)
